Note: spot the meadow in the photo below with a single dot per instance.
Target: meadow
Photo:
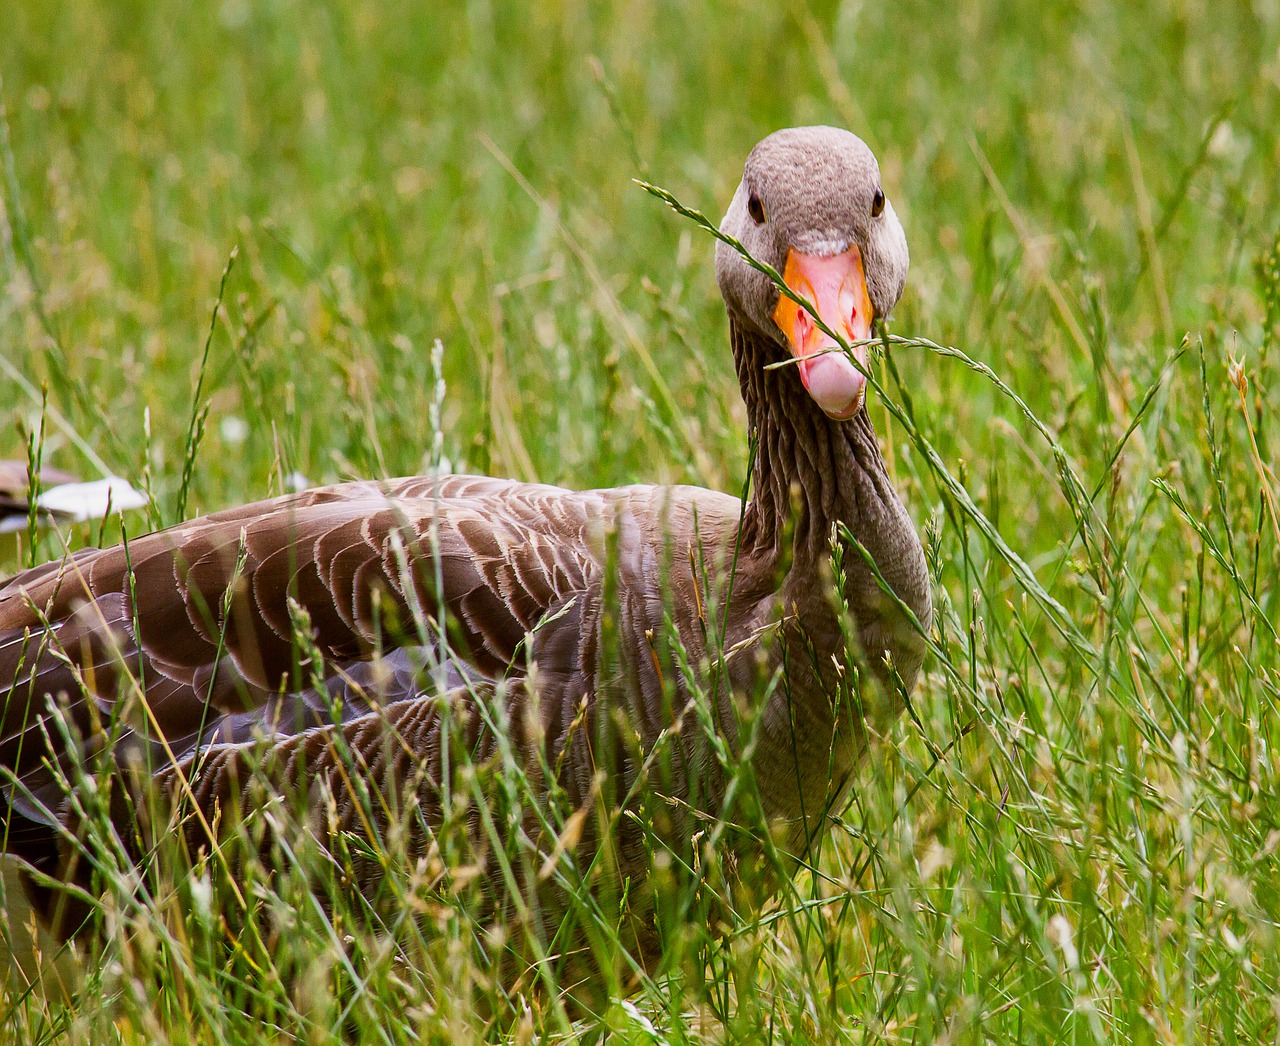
(1074, 834)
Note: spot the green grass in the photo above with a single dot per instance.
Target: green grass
(1075, 834)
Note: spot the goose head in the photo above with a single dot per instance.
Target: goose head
(811, 205)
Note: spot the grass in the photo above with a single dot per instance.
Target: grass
(1074, 834)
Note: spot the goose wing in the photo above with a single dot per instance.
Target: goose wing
(275, 617)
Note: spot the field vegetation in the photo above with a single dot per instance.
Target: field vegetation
(1074, 834)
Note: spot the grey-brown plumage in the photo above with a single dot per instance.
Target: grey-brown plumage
(573, 610)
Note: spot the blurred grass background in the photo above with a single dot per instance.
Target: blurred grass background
(1064, 842)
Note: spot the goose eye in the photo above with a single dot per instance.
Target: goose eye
(756, 209)
(877, 203)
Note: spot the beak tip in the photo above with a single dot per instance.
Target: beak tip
(847, 414)
(835, 385)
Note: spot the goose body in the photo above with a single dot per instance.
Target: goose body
(591, 620)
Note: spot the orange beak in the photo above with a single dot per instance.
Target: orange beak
(837, 288)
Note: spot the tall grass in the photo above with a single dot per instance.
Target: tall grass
(1072, 834)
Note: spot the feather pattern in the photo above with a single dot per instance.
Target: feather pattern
(203, 620)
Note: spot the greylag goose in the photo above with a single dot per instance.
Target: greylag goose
(61, 498)
(362, 626)
(15, 491)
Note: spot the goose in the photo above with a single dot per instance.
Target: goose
(15, 490)
(593, 621)
(61, 498)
